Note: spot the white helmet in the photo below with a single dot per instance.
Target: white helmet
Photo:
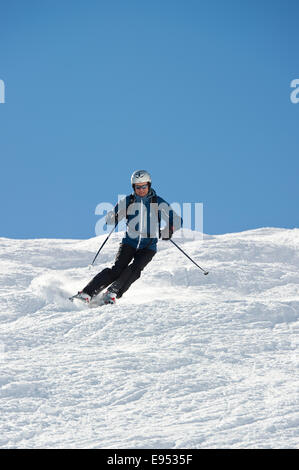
(140, 176)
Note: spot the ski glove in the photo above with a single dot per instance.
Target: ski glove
(166, 233)
(110, 218)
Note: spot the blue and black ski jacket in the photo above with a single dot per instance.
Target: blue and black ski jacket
(143, 219)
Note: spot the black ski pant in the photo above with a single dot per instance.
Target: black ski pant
(122, 274)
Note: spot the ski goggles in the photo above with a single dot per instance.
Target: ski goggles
(143, 186)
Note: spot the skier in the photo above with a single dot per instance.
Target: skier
(139, 245)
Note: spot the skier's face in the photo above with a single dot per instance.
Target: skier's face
(141, 189)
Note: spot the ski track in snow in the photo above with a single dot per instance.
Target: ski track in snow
(181, 361)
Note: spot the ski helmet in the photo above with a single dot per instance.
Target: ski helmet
(140, 176)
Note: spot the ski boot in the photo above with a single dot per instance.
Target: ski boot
(109, 297)
(86, 298)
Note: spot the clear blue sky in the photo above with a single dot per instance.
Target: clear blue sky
(196, 92)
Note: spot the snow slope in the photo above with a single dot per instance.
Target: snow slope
(181, 361)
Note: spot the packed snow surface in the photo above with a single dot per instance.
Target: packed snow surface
(183, 360)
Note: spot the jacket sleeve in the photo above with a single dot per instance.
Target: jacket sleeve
(118, 212)
(173, 220)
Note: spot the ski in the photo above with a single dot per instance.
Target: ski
(73, 297)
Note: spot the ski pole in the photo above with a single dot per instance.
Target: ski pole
(106, 239)
(205, 272)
